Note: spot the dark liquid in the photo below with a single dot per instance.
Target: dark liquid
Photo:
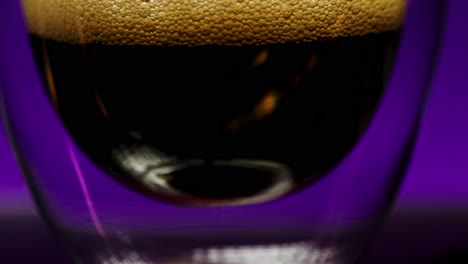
(215, 123)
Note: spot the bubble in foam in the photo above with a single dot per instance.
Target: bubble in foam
(209, 22)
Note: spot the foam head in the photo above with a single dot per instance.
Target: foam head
(209, 22)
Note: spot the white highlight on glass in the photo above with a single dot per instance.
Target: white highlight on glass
(297, 253)
(154, 169)
(139, 159)
(128, 258)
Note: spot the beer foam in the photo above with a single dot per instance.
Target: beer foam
(209, 22)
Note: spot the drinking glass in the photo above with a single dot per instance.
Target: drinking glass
(217, 132)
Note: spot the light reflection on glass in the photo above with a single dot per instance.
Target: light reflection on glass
(156, 171)
(138, 160)
(261, 58)
(297, 253)
(124, 258)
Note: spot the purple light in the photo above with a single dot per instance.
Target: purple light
(84, 188)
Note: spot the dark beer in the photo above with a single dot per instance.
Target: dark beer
(210, 122)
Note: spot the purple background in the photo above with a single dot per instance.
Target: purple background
(431, 207)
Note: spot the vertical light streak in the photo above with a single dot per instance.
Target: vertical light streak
(102, 106)
(84, 188)
(49, 76)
